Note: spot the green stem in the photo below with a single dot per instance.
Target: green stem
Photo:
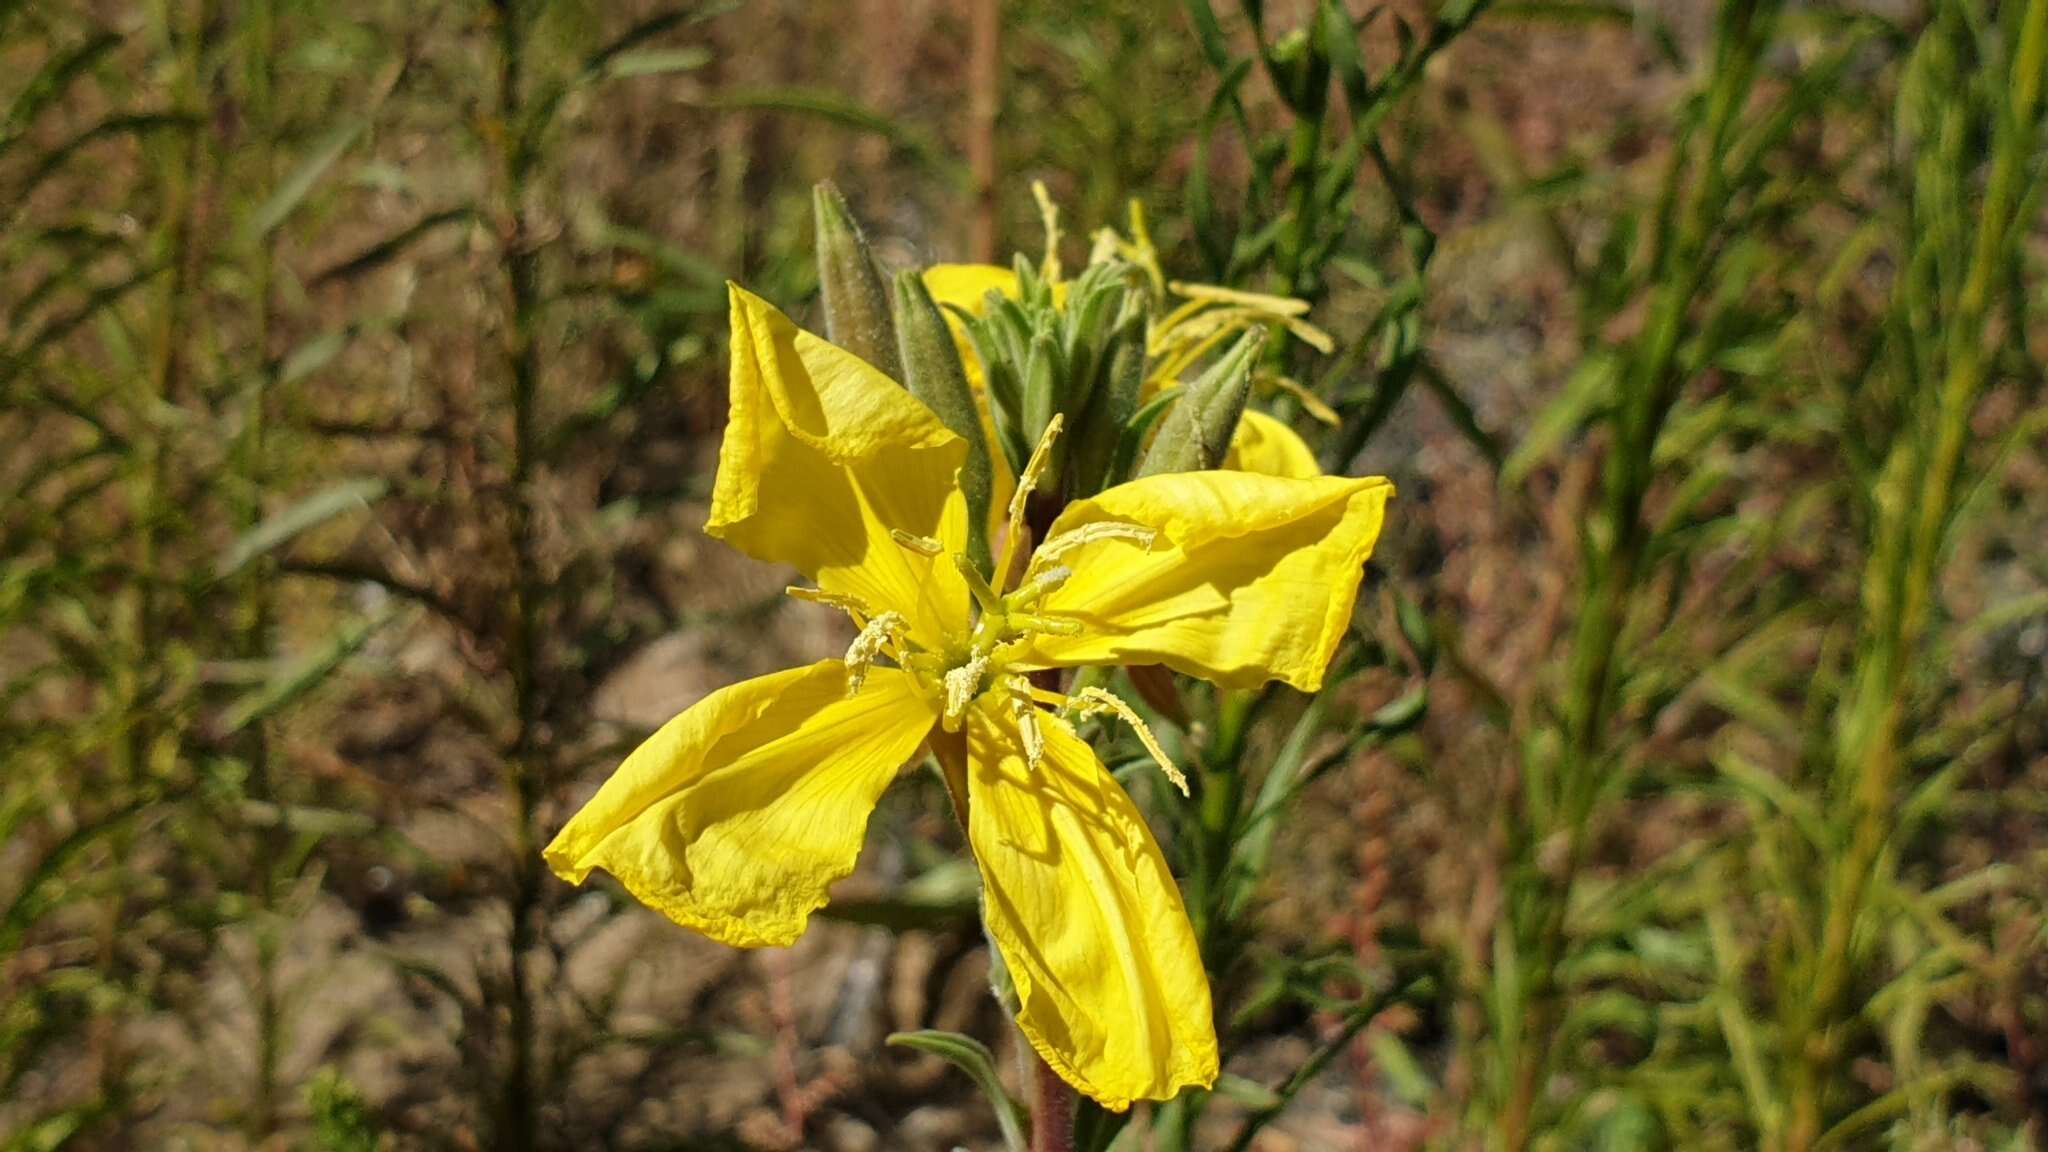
(1651, 390)
(519, 1108)
(1898, 591)
(1356, 1019)
(256, 590)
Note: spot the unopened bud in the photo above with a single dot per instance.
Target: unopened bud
(1109, 410)
(1043, 379)
(856, 304)
(934, 374)
(1196, 434)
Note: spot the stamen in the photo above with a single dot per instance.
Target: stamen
(1026, 622)
(1034, 471)
(1310, 335)
(991, 603)
(852, 605)
(1195, 327)
(1026, 712)
(1049, 215)
(1277, 305)
(1057, 546)
(1144, 255)
(1037, 586)
(860, 655)
(1107, 246)
(1164, 328)
(1310, 402)
(1204, 329)
(962, 684)
(922, 545)
(1094, 701)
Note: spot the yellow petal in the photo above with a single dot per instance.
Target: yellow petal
(1111, 987)
(823, 458)
(1267, 446)
(737, 815)
(1250, 578)
(966, 286)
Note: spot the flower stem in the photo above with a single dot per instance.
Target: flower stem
(1052, 1110)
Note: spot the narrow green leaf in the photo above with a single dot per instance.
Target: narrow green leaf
(303, 676)
(389, 248)
(972, 1057)
(1590, 388)
(288, 196)
(312, 356)
(835, 108)
(1209, 34)
(658, 62)
(50, 82)
(1403, 712)
(314, 510)
(947, 896)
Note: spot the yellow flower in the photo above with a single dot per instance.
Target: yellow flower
(1262, 443)
(737, 816)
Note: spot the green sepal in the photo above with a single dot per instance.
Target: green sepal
(1196, 434)
(857, 312)
(1000, 356)
(934, 374)
(1131, 442)
(1044, 379)
(1092, 465)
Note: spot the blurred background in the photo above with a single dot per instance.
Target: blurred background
(361, 379)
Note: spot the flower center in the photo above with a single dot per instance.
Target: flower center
(1002, 628)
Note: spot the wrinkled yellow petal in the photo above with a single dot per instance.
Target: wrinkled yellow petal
(1250, 578)
(1078, 898)
(1269, 447)
(823, 458)
(737, 815)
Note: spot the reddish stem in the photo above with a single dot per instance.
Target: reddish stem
(1052, 1110)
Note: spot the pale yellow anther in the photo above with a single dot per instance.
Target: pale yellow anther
(1310, 402)
(1034, 468)
(1210, 314)
(1107, 246)
(1058, 546)
(1034, 471)
(860, 655)
(853, 606)
(1277, 305)
(1049, 215)
(1310, 335)
(1025, 623)
(922, 545)
(1142, 253)
(1043, 581)
(962, 684)
(1093, 701)
(1025, 711)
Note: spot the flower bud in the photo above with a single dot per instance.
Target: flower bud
(1114, 403)
(934, 374)
(857, 314)
(1196, 434)
(1044, 382)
